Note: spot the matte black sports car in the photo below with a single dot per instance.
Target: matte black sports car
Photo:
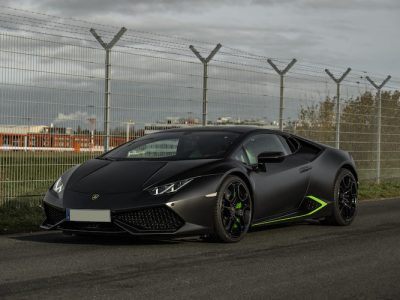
(211, 181)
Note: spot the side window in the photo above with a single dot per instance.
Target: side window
(286, 144)
(293, 144)
(263, 143)
(241, 156)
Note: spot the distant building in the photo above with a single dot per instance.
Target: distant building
(170, 123)
(25, 129)
(175, 122)
(50, 138)
(22, 129)
(247, 122)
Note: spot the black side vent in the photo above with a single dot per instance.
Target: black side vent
(53, 215)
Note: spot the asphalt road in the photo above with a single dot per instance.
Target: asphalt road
(305, 261)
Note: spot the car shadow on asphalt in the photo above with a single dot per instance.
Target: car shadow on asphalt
(57, 237)
(60, 238)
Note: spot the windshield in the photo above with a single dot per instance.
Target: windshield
(177, 146)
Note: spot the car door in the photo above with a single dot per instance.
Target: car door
(280, 186)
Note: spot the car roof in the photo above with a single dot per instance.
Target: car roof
(239, 129)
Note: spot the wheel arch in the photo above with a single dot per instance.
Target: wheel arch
(351, 169)
(246, 179)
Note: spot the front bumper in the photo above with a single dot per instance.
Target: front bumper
(157, 220)
(183, 216)
(188, 212)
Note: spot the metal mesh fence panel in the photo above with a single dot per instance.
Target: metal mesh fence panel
(52, 98)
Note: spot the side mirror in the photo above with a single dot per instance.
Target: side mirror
(270, 157)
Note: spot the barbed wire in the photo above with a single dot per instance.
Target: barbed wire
(155, 39)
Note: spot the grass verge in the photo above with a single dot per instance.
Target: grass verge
(21, 216)
(26, 216)
(368, 190)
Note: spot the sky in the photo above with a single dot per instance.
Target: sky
(362, 34)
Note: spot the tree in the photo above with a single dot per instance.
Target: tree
(318, 121)
(358, 130)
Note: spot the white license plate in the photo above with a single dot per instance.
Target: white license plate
(89, 215)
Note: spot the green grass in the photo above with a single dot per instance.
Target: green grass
(369, 190)
(24, 178)
(26, 174)
(21, 216)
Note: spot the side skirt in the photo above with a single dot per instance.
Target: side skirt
(311, 207)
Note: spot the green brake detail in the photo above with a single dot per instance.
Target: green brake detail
(319, 201)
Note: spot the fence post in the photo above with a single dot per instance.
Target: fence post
(281, 74)
(205, 62)
(107, 47)
(379, 130)
(128, 127)
(338, 81)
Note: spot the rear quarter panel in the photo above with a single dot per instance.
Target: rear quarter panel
(325, 170)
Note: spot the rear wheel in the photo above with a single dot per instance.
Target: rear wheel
(233, 210)
(345, 199)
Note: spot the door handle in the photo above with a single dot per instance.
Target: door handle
(305, 169)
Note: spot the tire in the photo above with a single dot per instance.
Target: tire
(345, 199)
(233, 211)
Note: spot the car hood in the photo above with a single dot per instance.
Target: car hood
(126, 176)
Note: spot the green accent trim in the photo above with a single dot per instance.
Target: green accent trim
(319, 201)
(238, 205)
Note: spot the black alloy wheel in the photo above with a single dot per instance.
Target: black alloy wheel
(345, 199)
(233, 210)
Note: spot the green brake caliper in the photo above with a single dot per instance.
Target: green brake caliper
(237, 223)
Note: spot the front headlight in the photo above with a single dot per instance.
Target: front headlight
(58, 186)
(170, 187)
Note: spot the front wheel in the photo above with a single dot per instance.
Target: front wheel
(345, 199)
(233, 210)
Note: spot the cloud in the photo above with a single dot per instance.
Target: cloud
(146, 85)
(136, 7)
(333, 4)
(128, 7)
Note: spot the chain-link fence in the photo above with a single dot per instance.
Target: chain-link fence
(59, 109)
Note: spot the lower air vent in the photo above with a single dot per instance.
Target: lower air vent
(90, 227)
(151, 219)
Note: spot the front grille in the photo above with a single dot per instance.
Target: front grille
(53, 215)
(151, 219)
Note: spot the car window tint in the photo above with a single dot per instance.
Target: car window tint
(293, 144)
(240, 156)
(262, 143)
(285, 145)
(155, 149)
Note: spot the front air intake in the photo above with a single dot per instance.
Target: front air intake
(54, 215)
(156, 219)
